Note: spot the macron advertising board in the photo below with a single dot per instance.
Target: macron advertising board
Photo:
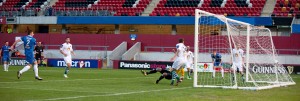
(78, 63)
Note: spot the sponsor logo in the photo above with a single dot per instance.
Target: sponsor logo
(268, 70)
(18, 62)
(144, 64)
(75, 64)
(134, 65)
(290, 69)
(205, 67)
(79, 63)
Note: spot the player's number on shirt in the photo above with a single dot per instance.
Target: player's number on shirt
(27, 44)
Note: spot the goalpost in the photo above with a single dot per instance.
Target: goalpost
(218, 33)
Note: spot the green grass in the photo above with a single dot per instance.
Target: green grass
(123, 85)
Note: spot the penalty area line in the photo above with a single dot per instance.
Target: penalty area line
(113, 94)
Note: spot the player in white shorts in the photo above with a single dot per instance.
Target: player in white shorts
(66, 49)
(238, 61)
(189, 63)
(179, 62)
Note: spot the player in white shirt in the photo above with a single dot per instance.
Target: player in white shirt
(238, 61)
(67, 51)
(179, 62)
(189, 62)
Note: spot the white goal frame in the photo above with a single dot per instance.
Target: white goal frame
(249, 27)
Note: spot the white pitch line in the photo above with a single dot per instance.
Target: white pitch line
(56, 90)
(72, 80)
(114, 94)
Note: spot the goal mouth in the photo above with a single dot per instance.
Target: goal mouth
(245, 52)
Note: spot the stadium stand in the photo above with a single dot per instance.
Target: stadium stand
(100, 8)
(226, 7)
(36, 3)
(20, 7)
(124, 7)
(136, 7)
(287, 8)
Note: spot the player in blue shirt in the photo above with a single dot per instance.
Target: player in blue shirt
(29, 45)
(5, 56)
(217, 61)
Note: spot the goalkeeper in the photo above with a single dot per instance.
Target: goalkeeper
(165, 74)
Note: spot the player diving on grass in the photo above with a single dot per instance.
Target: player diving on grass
(29, 44)
(179, 62)
(189, 62)
(66, 50)
(164, 74)
(5, 56)
(237, 62)
(217, 62)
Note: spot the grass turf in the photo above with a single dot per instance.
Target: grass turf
(123, 85)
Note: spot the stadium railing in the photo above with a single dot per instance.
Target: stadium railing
(18, 12)
(73, 11)
(135, 49)
(58, 11)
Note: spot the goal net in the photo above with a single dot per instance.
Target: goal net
(235, 54)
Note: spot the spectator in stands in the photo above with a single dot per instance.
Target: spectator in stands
(289, 5)
(177, 14)
(291, 11)
(35, 11)
(286, 2)
(137, 14)
(225, 14)
(297, 5)
(50, 9)
(273, 14)
(283, 9)
(22, 11)
(281, 4)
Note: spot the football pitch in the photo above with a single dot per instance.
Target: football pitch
(122, 85)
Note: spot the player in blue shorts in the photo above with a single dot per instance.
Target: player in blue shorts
(5, 56)
(29, 45)
(217, 61)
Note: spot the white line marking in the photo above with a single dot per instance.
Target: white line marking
(57, 90)
(72, 80)
(114, 94)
